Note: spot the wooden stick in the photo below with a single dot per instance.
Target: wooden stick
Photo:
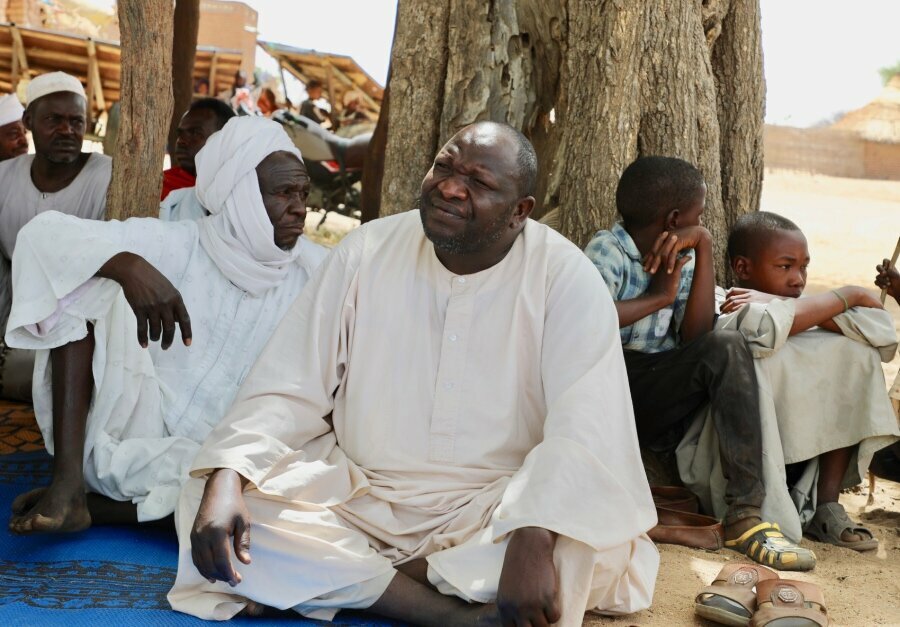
(893, 265)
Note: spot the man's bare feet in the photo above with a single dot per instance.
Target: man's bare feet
(56, 509)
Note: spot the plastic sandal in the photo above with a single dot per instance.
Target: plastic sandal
(766, 545)
(831, 520)
(731, 598)
(787, 603)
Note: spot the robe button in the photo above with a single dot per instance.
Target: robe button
(461, 280)
(453, 337)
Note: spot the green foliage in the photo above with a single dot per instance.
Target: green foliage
(889, 71)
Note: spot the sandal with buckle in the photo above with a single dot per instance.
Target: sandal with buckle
(731, 598)
(788, 603)
(831, 520)
(765, 544)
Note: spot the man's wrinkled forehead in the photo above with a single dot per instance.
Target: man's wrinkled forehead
(482, 146)
(282, 167)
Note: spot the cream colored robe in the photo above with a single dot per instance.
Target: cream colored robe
(464, 407)
(818, 391)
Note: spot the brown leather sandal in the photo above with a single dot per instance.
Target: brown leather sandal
(788, 603)
(731, 598)
(686, 529)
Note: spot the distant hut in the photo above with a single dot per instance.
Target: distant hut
(878, 121)
(878, 126)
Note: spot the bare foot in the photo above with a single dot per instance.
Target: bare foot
(254, 609)
(258, 610)
(57, 509)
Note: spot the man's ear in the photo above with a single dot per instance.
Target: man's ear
(524, 207)
(26, 119)
(741, 266)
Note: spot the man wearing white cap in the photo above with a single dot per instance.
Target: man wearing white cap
(124, 422)
(58, 177)
(13, 141)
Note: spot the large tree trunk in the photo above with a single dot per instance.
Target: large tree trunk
(146, 100)
(594, 85)
(184, 49)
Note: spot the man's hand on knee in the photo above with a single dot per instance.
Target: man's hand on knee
(222, 522)
(156, 303)
(529, 589)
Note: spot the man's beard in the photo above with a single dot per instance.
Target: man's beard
(469, 241)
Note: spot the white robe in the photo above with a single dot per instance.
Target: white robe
(463, 408)
(20, 201)
(818, 391)
(150, 408)
(181, 204)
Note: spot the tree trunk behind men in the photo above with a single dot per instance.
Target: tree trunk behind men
(146, 33)
(184, 50)
(593, 85)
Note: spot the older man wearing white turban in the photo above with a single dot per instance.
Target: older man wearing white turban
(13, 141)
(58, 177)
(123, 422)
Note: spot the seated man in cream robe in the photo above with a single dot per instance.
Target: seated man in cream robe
(124, 422)
(823, 405)
(439, 431)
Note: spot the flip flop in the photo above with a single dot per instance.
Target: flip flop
(731, 598)
(766, 545)
(788, 603)
(831, 520)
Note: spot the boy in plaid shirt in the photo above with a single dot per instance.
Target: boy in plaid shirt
(658, 265)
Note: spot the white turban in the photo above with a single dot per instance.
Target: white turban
(239, 235)
(52, 83)
(10, 109)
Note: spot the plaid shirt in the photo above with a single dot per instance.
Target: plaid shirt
(619, 262)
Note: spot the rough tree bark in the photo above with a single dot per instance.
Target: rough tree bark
(594, 85)
(184, 50)
(418, 56)
(146, 33)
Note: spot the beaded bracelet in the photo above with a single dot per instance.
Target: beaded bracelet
(843, 300)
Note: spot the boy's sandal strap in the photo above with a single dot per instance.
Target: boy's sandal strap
(784, 598)
(765, 544)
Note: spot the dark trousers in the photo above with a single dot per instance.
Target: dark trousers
(668, 388)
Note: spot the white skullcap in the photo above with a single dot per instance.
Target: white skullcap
(10, 109)
(52, 83)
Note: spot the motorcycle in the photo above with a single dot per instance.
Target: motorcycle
(334, 164)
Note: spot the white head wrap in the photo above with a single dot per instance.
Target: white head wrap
(239, 235)
(52, 83)
(10, 109)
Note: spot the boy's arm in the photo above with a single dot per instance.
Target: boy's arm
(700, 309)
(662, 292)
(813, 311)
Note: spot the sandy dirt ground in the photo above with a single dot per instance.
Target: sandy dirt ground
(851, 225)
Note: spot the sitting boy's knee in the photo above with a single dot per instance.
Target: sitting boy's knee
(727, 345)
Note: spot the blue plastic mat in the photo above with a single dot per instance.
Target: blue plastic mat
(103, 576)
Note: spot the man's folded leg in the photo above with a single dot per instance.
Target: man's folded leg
(303, 557)
(614, 580)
